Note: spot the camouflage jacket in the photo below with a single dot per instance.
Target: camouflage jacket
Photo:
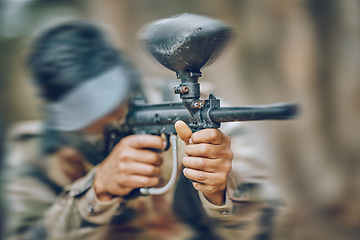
(43, 203)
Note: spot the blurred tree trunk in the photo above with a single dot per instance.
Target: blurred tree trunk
(338, 88)
(310, 52)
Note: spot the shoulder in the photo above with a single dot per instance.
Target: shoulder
(21, 130)
(22, 145)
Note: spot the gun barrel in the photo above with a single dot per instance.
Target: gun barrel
(252, 113)
(169, 113)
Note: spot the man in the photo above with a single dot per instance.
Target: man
(70, 190)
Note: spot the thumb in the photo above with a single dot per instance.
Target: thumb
(183, 131)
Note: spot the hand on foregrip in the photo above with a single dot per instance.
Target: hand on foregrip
(130, 165)
(208, 160)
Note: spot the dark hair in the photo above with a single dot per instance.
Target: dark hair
(69, 54)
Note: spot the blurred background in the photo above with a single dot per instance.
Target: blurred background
(302, 51)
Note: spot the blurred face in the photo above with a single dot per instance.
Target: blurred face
(116, 115)
(89, 141)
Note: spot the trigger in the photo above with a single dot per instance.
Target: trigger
(167, 139)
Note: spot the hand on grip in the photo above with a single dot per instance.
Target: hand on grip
(130, 165)
(208, 161)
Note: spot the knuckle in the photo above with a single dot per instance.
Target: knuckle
(125, 155)
(157, 160)
(137, 141)
(120, 181)
(185, 161)
(227, 154)
(201, 176)
(128, 140)
(214, 134)
(198, 186)
(211, 188)
(122, 167)
(228, 140)
(188, 149)
(152, 157)
(159, 141)
(230, 154)
(154, 170)
(201, 163)
(227, 166)
(203, 149)
(211, 182)
(150, 181)
(154, 181)
(126, 191)
(222, 178)
(144, 181)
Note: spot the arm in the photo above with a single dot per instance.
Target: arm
(242, 207)
(95, 199)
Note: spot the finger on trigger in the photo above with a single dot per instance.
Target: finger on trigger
(146, 141)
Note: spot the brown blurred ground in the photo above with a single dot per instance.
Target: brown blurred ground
(285, 51)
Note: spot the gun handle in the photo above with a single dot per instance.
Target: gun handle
(158, 191)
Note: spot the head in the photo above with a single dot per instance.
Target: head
(83, 79)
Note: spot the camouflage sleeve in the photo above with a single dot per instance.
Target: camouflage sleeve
(38, 206)
(215, 211)
(244, 215)
(78, 211)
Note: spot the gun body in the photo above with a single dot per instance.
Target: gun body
(185, 44)
(158, 119)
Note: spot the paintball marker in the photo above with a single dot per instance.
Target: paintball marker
(185, 44)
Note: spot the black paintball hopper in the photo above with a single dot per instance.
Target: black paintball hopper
(186, 42)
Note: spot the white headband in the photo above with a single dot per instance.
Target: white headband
(89, 101)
